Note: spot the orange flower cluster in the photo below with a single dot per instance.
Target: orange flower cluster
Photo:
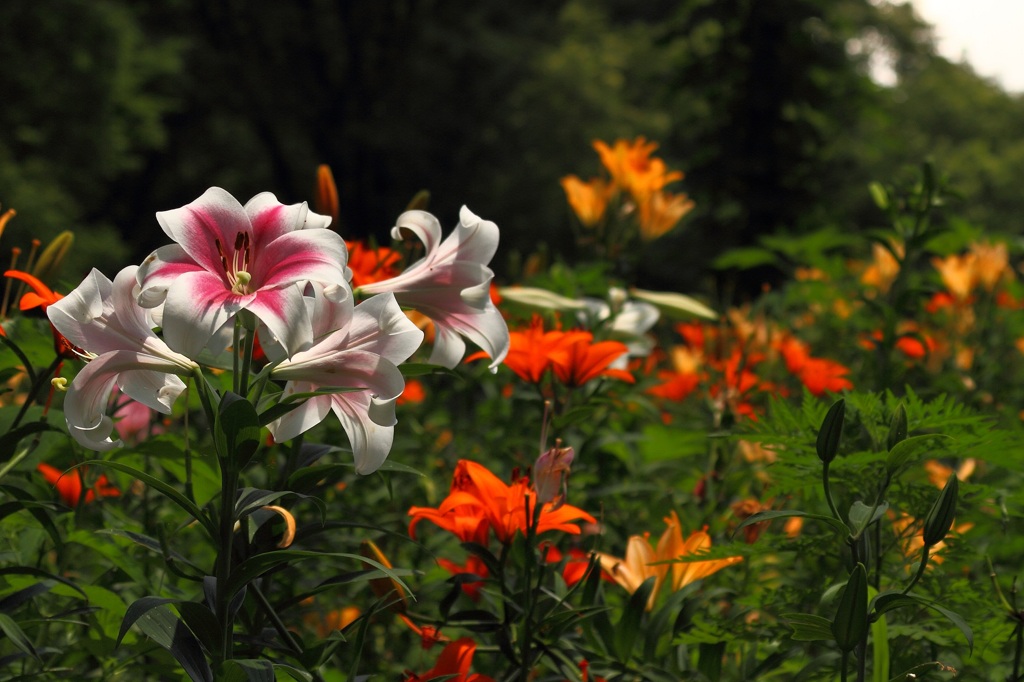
(369, 264)
(574, 357)
(724, 361)
(638, 175)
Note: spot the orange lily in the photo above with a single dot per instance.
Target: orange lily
(642, 561)
(69, 485)
(633, 168)
(480, 500)
(588, 200)
(660, 212)
(576, 359)
(42, 297)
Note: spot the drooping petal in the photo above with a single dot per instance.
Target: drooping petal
(450, 283)
(87, 398)
(100, 316)
(369, 424)
(302, 418)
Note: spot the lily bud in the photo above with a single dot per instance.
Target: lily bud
(940, 516)
(419, 202)
(551, 472)
(53, 255)
(897, 428)
(326, 202)
(831, 429)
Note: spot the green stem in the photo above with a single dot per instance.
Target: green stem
(1017, 651)
(229, 484)
(526, 645)
(828, 492)
(36, 385)
(920, 569)
(250, 340)
(275, 619)
(236, 375)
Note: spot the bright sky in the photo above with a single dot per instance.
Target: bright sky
(989, 34)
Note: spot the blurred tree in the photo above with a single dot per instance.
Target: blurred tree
(117, 109)
(82, 104)
(764, 96)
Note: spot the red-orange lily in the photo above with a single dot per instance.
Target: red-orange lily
(69, 485)
(453, 665)
(480, 500)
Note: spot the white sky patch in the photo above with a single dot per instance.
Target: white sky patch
(987, 34)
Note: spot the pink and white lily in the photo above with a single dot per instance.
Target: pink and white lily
(230, 258)
(356, 348)
(104, 320)
(451, 285)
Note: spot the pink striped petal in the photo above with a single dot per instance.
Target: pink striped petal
(197, 306)
(216, 216)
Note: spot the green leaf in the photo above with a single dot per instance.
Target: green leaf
(675, 304)
(629, 625)
(902, 452)
(834, 523)
(879, 195)
(237, 429)
(831, 429)
(167, 630)
(38, 511)
(294, 673)
(861, 516)
(138, 609)
(808, 627)
(880, 650)
(16, 636)
(203, 623)
(39, 573)
(745, 258)
(851, 621)
(158, 484)
(709, 660)
(247, 670)
(9, 441)
(418, 369)
(254, 567)
(887, 601)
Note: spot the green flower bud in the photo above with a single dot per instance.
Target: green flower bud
(831, 429)
(897, 428)
(851, 621)
(940, 516)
